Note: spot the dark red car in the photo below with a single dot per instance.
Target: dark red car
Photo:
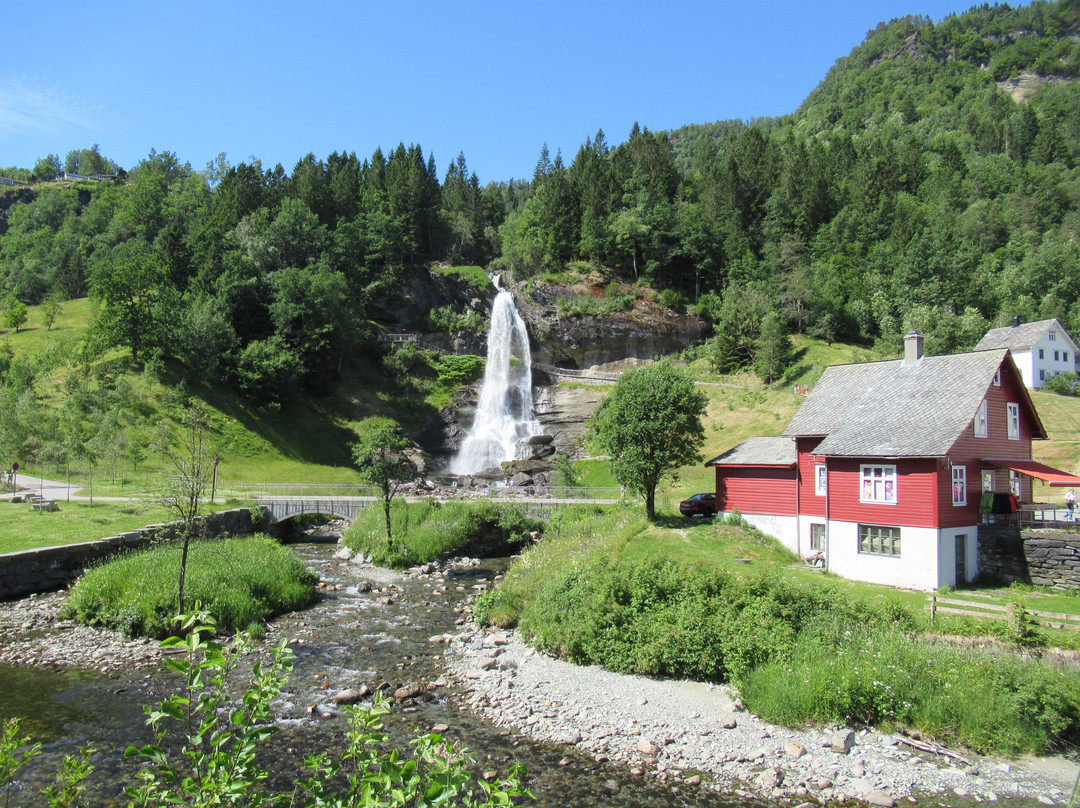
(699, 505)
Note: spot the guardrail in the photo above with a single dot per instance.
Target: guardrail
(443, 490)
(993, 611)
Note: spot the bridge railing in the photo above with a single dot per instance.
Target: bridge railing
(244, 490)
(331, 490)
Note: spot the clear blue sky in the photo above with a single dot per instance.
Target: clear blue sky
(496, 80)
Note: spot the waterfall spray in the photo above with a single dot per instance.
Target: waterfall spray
(504, 414)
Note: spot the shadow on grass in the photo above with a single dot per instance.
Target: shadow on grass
(673, 521)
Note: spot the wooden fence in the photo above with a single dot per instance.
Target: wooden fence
(994, 611)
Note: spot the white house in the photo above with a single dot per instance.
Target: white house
(1040, 350)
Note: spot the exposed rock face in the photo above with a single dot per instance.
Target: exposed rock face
(563, 412)
(614, 341)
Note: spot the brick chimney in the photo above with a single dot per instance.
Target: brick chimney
(913, 350)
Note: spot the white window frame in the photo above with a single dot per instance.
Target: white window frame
(817, 536)
(1042, 354)
(1064, 356)
(1042, 375)
(879, 540)
(1053, 335)
(821, 480)
(1014, 484)
(981, 430)
(987, 481)
(959, 486)
(1057, 356)
(878, 484)
(1012, 413)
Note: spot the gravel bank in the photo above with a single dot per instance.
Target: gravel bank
(699, 734)
(32, 633)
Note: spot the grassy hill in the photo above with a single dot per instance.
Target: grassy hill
(307, 441)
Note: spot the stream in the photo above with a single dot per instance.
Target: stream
(348, 639)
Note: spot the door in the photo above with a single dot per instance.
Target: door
(961, 559)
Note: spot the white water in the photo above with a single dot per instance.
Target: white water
(504, 414)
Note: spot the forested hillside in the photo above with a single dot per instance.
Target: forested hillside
(930, 181)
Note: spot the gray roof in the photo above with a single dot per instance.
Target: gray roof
(758, 452)
(893, 409)
(1019, 337)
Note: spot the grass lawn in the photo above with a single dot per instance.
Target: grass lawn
(23, 529)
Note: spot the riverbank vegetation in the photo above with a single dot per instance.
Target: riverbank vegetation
(724, 604)
(240, 582)
(428, 530)
(222, 762)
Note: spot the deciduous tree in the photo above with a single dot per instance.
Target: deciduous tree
(650, 425)
(380, 456)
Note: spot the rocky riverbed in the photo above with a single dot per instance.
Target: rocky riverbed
(691, 739)
(698, 734)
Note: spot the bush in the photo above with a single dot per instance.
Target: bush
(673, 299)
(426, 531)
(237, 581)
(842, 671)
(455, 371)
(1064, 384)
(401, 358)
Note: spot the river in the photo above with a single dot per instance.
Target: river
(349, 638)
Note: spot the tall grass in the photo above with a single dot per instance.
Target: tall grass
(600, 590)
(239, 582)
(849, 672)
(427, 530)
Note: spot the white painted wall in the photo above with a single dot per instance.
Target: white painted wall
(1027, 371)
(1050, 366)
(917, 566)
(947, 554)
(783, 528)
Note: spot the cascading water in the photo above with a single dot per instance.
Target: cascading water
(504, 414)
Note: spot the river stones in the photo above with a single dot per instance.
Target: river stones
(346, 697)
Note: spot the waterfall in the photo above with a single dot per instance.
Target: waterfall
(504, 414)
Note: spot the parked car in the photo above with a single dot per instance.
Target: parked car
(699, 505)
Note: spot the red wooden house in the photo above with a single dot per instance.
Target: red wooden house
(882, 471)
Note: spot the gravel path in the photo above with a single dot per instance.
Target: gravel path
(697, 733)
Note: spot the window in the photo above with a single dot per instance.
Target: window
(1053, 335)
(987, 481)
(959, 485)
(878, 484)
(1042, 375)
(1013, 410)
(1042, 354)
(1064, 356)
(997, 378)
(1014, 483)
(980, 420)
(1057, 356)
(878, 540)
(817, 537)
(821, 477)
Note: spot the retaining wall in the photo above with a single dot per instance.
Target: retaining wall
(1044, 558)
(48, 568)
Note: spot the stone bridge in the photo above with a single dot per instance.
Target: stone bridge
(281, 508)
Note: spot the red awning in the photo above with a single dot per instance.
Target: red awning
(1038, 470)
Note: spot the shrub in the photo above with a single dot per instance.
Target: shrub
(426, 531)
(206, 743)
(455, 371)
(673, 299)
(1064, 384)
(401, 358)
(842, 670)
(238, 581)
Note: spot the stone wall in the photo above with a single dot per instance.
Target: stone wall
(1041, 557)
(48, 568)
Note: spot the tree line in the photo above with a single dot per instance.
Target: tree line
(910, 190)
